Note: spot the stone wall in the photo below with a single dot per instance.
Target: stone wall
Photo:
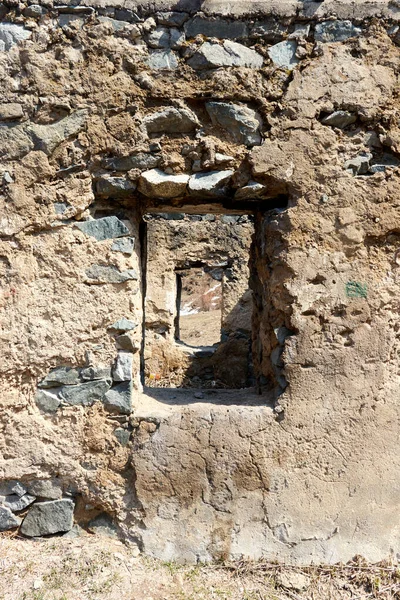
(286, 110)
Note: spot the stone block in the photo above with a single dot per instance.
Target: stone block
(122, 435)
(171, 18)
(8, 520)
(157, 184)
(340, 119)
(124, 245)
(34, 11)
(216, 28)
(114, 187)
(126, 341)
(162, 60)
(98, 274)
(284, 54)
(11, 34)
(335, 31)
(122, 325)
(142, 161)
(165, 37)
(10, 111)
(122, 370)
(103, 229)
(12, 486)
(17, 503)
(229, 54)
(212, 183)
(60, 376)
(47, 401)
(45, 518)
(93, 373)
(358, 165)
(269, 30)
(171, 120)
(85, 394)
(119, 398)
(51, 489)
(242, 122)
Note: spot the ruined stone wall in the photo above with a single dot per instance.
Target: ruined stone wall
(287, 109)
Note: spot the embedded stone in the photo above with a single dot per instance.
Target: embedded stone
(85, 394)
(209, 184)
(122, 370)
(47, 401)
(48, 137)
(270, 30)
(11, 34)
(223, 159)
(340, 119)
(252, 190)
(45, 518)
(103, 525)
(122, 325)
(241, 121)
(104, 229)
(119, 398)
(51, 489)
(358, 165)
(17, 503)
(60, 376)
(284, 54)
(126, 341)
(165, 37)
(92, 373)
(34, 11)
(141, 161)
(157, 184)
(114, 187)
(122, 435)
(335, 31)
(162, 59)
(171, 18)
(10, 111)
(125, 245)
(229, 54)
(8, 520)
(171, 120)
(109, 274)
(301, 31)
(12, 487)
(386, 161)
(216, 27)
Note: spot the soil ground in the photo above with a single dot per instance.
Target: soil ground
(99, 568)
(201, 329)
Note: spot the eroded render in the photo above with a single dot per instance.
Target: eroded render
(287, 112)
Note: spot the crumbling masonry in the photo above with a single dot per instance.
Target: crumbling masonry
(283, 110)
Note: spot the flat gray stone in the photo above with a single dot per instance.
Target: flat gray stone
(60, 376)
(93, 373)
(340, 119)
(45, 518)
(114, 187)
(229, 54)
(122, 325)
(116, 24)
(171, 120)
(124, 245)
(335, 31)
(11, 111)
(358, 165)
(47, 401)
(85, 394)
(284, 54)
(119, 398)
(126, 341)
(12, 486)
(216, 27)
(51, 489)
(17, 503)
(269, 30)
(209, 184)
(122, 370)
(252, 190)
(8, 520)
(14, 141)
(157, 184)
(103, 525)
(165, 37)
(141, 161)
(171, 18)
(48, 137)
(11, 34)
(122, 435)
(242, 122)
(34, 11)
(301, 31)
(162, 60)
(104, 229)
(108, 274)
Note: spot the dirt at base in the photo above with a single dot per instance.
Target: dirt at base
(201, 329)
(99, 568)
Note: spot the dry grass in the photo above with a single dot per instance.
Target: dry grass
(95, 568)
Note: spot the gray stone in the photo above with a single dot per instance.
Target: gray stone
(45, 518)
(12, 487)
(223, 159)
(124, 245)
(119, 398)
(162, 59)
(284, 54)
(51, 489)
(108, 274)
(103, 525)
(48, 137)
(122, 370)
(14, 141)
(104, 229)
(386, 161)
(60, 207)
(124, 14)
(270, 30)
(116, 24)
(358, 165)
(19, 489)
(17, 503)
(60, 376)
(8, 520)
(122, 435)
(301, 31)
(93, 373)
(209, 184)
(335, 31)
(216, 27)
(171, 18)
(122, 325)
(34, 11)
(252, 190)
(47, 401)
(164, 37)
(85, 394)
(171, 120)
(11, 34)
(157, 184)
(229, 54)
(242, 122)
(229, 219)
(10, 111)
(141, 161)
(340, 119)
(126, 341)
(114, 187)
